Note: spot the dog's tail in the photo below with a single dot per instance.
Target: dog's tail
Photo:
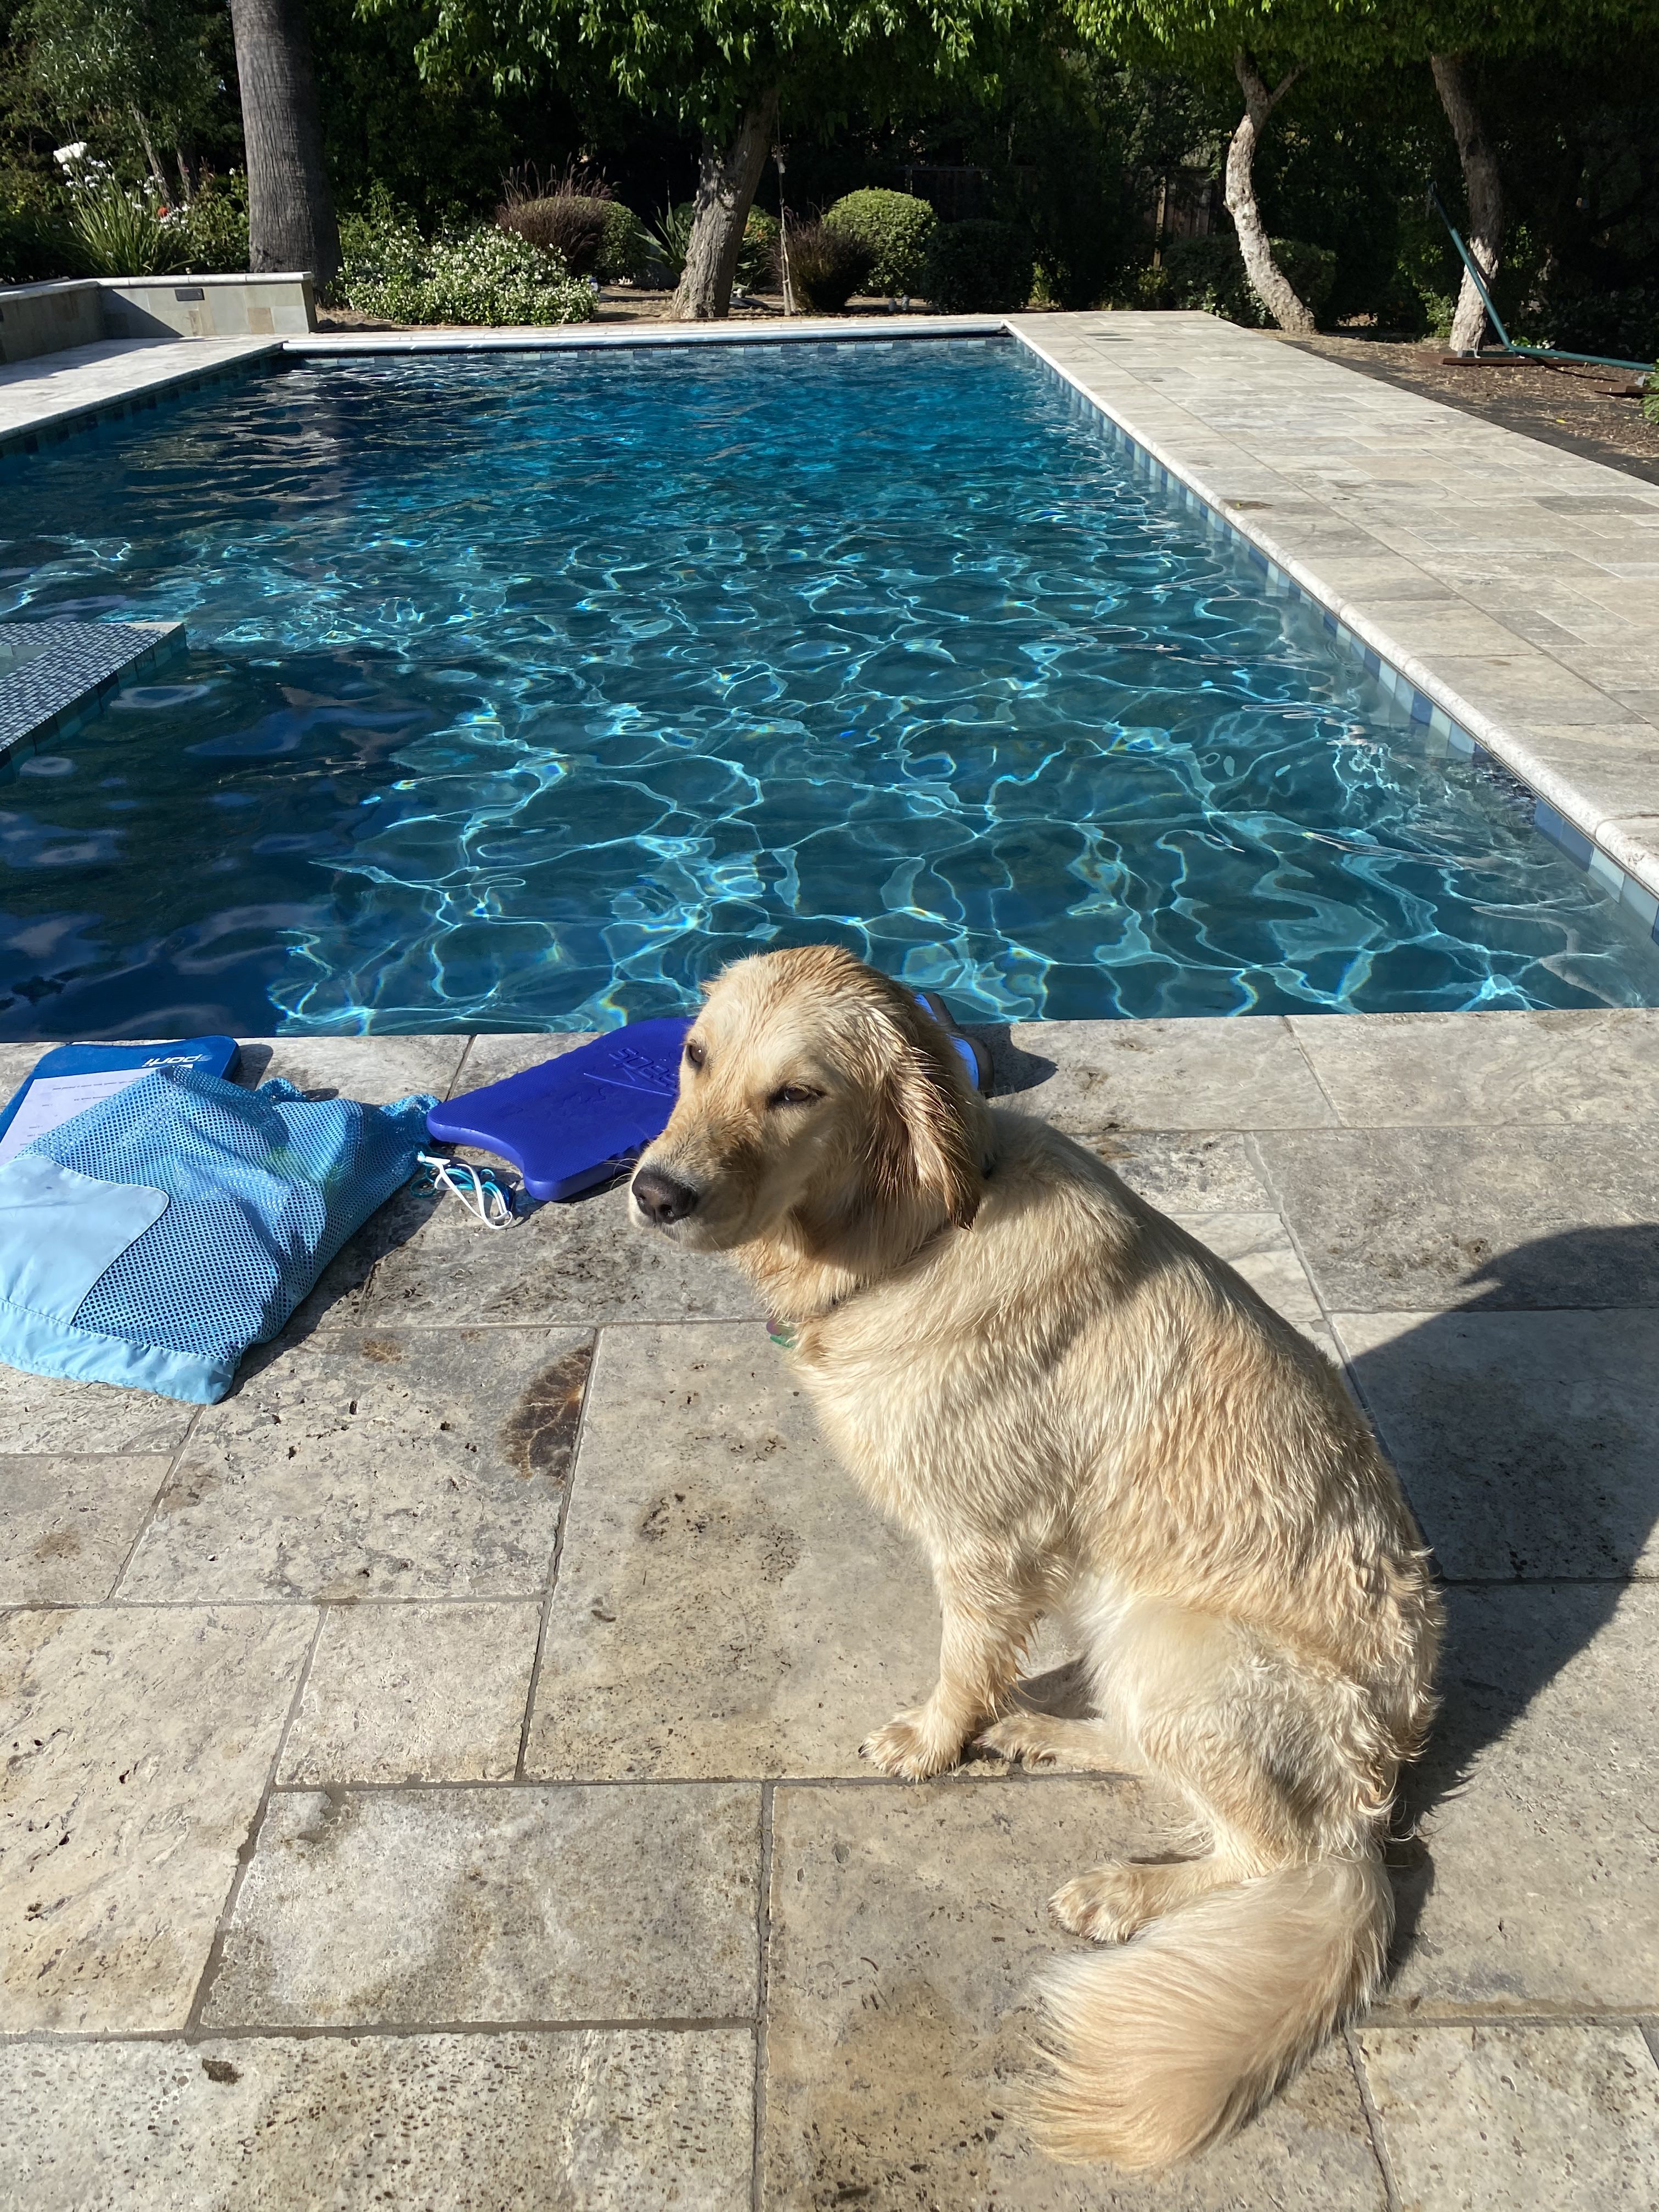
(1168, 2043)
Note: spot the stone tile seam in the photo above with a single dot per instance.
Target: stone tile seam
(396, 2031)
(518, 1601)
(1469, 729)
(762, 1998)
(1373, 2128)
(472, 1036)
(1308, 1063)
(1636, 1577)
(250, 1844)
(1645, 2023)
(572, 1470)
(150, 1511)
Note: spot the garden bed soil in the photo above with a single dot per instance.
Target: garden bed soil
(1580, 408)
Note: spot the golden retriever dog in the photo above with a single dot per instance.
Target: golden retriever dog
(1077, 1410)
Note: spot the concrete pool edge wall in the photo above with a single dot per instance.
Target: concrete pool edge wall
(1621, 851)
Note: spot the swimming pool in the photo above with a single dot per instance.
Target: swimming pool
(524, 691)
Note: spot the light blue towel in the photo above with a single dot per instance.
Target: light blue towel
(151, 1239)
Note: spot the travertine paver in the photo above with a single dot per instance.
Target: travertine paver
(67, 1523)
(1542, 2119)
(905, 1926)
(723, 1617)
(379, 1069)
(38, 1413)
(136, 1746)
(493, 1059)
(1406, 1220)
(1534, 1888)
(414, 1693)
(395, 1462)
(1199, 1074)
(633, 2117)
(1186, 1174)
(577, 1263)
(1257, 1247)
(1529, 1442)
(364, 1908)
(727, 1604)
(1533, 1068)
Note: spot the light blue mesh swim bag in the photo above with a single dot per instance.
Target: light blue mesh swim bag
(152, 1238)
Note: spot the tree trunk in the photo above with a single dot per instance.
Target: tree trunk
(156, 171)
(725, 191)
(291, 222)
(1483, 187)
(1268, 280)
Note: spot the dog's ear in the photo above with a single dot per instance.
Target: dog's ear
(921, 1139)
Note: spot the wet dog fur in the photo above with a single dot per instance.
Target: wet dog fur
(1077, 1410)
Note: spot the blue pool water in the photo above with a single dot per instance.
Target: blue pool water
(524, 691)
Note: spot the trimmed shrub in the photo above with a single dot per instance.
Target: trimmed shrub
(978, 266)
(826, 266)
(895, 227)
(486, 274)
(625, 249)
(573, 225)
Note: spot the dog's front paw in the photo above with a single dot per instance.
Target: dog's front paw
(912, 1745)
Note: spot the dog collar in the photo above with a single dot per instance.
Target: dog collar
(783, 1333)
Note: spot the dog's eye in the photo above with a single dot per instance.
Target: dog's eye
(696, 1054)
(793, 1094)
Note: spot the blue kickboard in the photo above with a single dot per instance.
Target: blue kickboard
(577, 1121)
(213, 1055)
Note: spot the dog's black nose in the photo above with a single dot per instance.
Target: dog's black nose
(660, 1198)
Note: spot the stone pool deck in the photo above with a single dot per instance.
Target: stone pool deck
(431, 1774)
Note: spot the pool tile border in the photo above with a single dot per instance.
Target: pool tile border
(62, 688)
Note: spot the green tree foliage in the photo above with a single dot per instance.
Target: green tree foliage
(138, 78)
(1269, 44)
(735, 72)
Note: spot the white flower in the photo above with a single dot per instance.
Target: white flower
(67, 157)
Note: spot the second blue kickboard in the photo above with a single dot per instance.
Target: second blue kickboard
(579, 1119)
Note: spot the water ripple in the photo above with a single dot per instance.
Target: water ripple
(523, 694)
